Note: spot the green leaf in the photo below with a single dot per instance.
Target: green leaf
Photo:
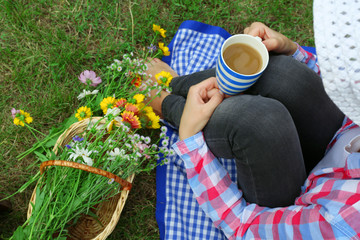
(19, 234)
(51, 142)
(41, 156)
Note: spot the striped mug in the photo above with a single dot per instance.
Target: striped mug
(230, 81)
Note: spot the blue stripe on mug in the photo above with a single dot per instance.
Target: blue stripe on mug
(235, 86)
(228, 92)
(228, 88)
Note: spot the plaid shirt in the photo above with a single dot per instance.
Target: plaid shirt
(328, 207)
(306, 57)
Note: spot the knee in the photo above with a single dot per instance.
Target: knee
(251, 117)
(287, 71)
(264, 120)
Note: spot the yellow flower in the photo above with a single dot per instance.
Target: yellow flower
(22, 117)
(155, 119)
(148, 109)
(139, 98)
(160, 30)
(163, 78)
(144, 109)
(107, 103)
(83, 112)
(164, 49)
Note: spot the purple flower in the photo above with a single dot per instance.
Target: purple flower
(14, 112)
(68, 146)
(89, 78)
(77, 139)
(152, 48)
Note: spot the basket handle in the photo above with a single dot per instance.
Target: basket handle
(125, 185)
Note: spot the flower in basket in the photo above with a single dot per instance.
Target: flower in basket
(89, 78)
(101, 147)
(83, 112)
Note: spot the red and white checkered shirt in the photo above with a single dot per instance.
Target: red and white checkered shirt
(328, 208)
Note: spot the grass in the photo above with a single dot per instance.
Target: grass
(46, 44)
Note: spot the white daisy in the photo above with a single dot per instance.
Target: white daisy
(85, 93)
(95, 124)
(115, 153)
(165, 142)
(147, 140)
(163, 129)
(82, 153)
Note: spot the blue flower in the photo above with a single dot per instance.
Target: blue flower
(77, 139)
(152, 48)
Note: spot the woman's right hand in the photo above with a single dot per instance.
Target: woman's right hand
(201, 101)
(274, 41)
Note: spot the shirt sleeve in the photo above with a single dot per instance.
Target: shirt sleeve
(307, 58)
(222, 201)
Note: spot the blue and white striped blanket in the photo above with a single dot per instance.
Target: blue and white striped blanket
(195, 47)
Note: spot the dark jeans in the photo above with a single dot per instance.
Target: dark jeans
(277, 130)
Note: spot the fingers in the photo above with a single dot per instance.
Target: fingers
(207, 84)
(215, 98)
(256, 29)
(273, 40)
(271, 44)
(246, 30)
(200, 104)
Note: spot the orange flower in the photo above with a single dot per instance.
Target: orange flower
(120, 103)
(130, 118)
(136, 81)
(132, 108)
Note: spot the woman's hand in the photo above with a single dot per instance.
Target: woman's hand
(274, 41)
(202, 99)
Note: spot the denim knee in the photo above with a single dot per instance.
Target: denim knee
(248, 121)
(260, 134)
(301, 91)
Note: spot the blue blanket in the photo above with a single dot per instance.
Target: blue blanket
(194, 47)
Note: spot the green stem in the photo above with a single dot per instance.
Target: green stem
(37, 145)
(33, 129)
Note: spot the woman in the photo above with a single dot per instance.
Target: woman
(329, 205)
(277, 131)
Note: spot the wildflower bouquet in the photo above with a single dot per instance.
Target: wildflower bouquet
(89, 171)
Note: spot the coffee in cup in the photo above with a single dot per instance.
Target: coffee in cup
(243, 58)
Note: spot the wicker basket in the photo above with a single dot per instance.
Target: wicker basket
(108, 212)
